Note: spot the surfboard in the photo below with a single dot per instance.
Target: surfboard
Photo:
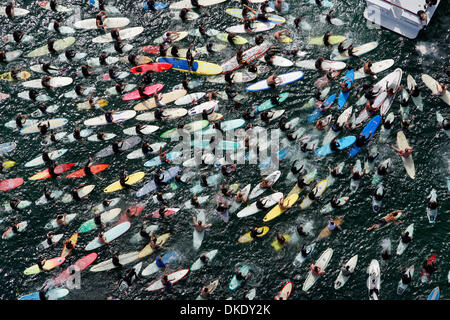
(130, 180)
(109, 235)
(283, 79)
(124, 34)
(198, 67)
(59, 45)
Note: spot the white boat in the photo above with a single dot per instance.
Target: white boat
(399, 16)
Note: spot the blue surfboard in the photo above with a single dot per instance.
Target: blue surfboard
(371, 126)
(317, 113)
(348, 79)
(151, 186)
(343, 143)
(282, 154)
(434, 295)
(157, 6)
(179, 63)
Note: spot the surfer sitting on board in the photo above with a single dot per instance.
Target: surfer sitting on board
(184, 14)
(334, 145)
(316, 271)
(159, 178)
(61, 219)
(194, 200)
(329, 16)
(19, 122)
(255, 232)
(367, 69)
(98, 221)
(101, 238)
(429, 268)
(109, 117)
(441, 89)
(391, 217)
(282, 206)
(123, 179)
(45, 81)
(43, 128)
(240, 198)
(116, 147)
(198, 225)
(272, 81)
(406, 238)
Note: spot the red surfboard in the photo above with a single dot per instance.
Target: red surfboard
(9, 184)
(169, 212)
(59, 169)
(430, 261)
(96, 168)
(151, 49)
(134, 212)
(150, 90)
(78, 266)
(155, 67)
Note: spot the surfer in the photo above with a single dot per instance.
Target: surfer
(326, 37)
(391, 217)
(198, 225)
(316, 271)
(272, 81)
(116, 147)
(429, 268)
(165, 280)
(184, 14)
(283, 206)
(256, 232)
(101, 238)
(19, 118)
(334, 145)
(61, 219)
(404, 153)
(123, 179)
(70, 54)
(331, 225)
(50, 46)
(279, 35)
(115, 35)
(45, 82)
(43, 128)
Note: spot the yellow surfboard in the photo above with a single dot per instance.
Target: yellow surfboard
(160, 241)
(65, 252)
(321, 187)
(166, 98)
(285, 39)
(8, 164)
(132, 179)
(247, 238)
(23, 75)
(309, 178)
(277, 246)
(277, 211)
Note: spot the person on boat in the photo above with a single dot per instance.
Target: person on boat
(199, 226)
(391, 217)
(316, 271)
(116, 146)
(423, 17)
(404, 153)
(61, 219)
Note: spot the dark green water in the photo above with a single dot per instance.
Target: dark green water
(272, 269)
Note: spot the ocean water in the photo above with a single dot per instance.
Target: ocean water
(427, 54)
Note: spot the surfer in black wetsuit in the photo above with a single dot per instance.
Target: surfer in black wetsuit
(43, 128)
(18, 35)
(109, 117)
(112, 74)
(115, 34)
(70, 54)
(50, 46)
(19, 123)
(334, 145)
(325, 39)
(9, 10)
(118, 46)
(123, 180)
(115, 261)
(146, 148)
(116, 147)
(147, 78)
(87, 168)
